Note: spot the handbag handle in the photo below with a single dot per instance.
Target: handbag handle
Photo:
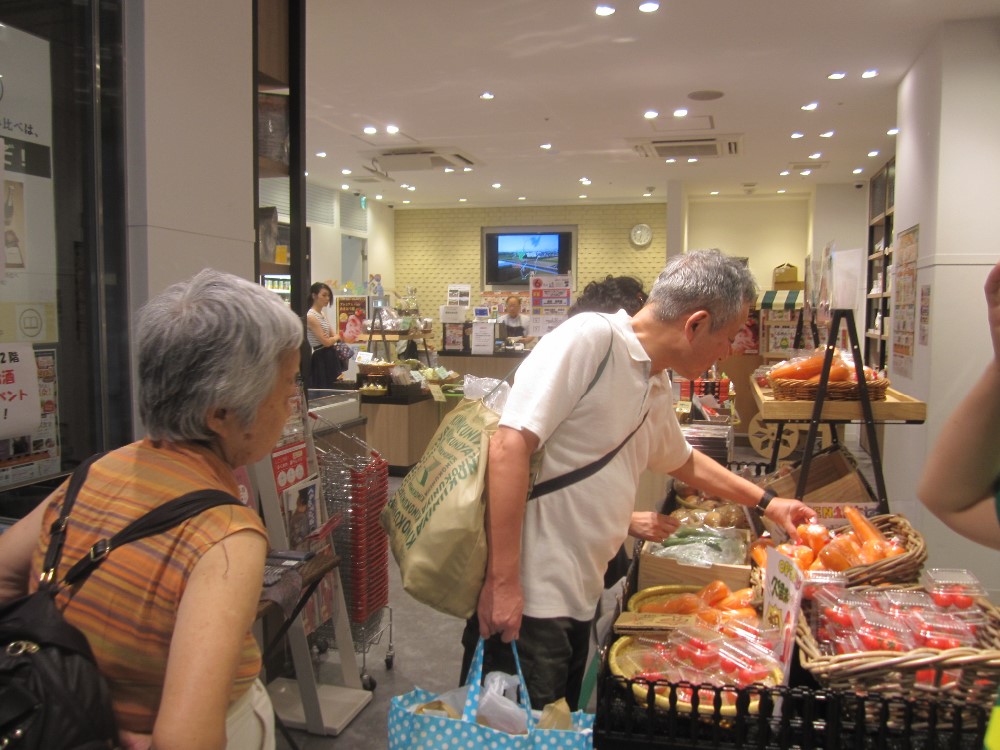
(475, 683)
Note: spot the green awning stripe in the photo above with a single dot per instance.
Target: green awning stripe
(780, 299)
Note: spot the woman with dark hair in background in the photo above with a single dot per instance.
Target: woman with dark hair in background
(325, 366)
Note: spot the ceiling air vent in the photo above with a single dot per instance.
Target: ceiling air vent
(412, 158)
(687, 147)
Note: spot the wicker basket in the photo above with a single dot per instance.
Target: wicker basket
(903, 568)
(659, 593)
(383, 368)
(975, 671)
(785, 389)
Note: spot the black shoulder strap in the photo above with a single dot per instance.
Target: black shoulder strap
(156, 521)
(572, 477)
(58, 531)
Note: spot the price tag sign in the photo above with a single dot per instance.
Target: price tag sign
(436, 393)
(782, 602)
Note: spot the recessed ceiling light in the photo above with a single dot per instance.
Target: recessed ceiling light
(404, 185)
(449, 169)
(692, 160)
(797, 135)
(714, 192)
(815, 156)
(467, 169)
(496, 185)
(345, 186)
(784, 173)
(650, 114)
(892, 131)
(647, 195)
(869, 74)
(305, 174)
(406, 201)
(462, 200)
(583, 195)
(680, 112)
(585, 180)
(378, 196)
(321, 154)
(649, 7)
(671, 160)
(859, 170)
(604, 10)
(486, 95)
(810, 106)
(805, 172)
(837, 76)
(411, 188)
(345, 171)
(873, 153)
(827, 134)
(370, 130)
(546, 146)
(521, 198)
(781, 191)
(391, 129)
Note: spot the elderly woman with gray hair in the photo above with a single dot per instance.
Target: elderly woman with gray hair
(169, 618)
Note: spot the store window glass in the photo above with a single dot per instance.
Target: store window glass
(64, 362)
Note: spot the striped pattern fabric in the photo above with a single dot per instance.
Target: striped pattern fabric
(128, 607)
(781, 299)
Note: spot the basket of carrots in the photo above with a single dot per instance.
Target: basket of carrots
(798, 379)
(868, 551)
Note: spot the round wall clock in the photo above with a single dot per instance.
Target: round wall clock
(641, 235)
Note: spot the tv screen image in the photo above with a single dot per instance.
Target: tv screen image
(511, 257)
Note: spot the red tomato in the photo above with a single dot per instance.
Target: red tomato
(962, 601)
(942, 598)
(750, 675)
(728, 665)
(703, 659)
(943, 643)
(871, 641)
(838, 615)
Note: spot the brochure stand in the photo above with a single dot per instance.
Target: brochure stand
(303, 703)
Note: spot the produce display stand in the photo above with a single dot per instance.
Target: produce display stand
(386, 337)
(895, 408)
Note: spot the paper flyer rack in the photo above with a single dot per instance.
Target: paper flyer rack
(355, 486)
(304, 702)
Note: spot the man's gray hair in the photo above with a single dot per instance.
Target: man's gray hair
(213, 341)
(703, 280)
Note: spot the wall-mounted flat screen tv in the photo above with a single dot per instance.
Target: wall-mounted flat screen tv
(512, 254)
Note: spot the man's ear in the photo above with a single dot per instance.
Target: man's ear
(695, 321)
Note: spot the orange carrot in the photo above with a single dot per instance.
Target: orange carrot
(839, 372)
(864, 528)
(736, 600)
(802, 554)
(841, 553)
(815, 535)
(799, 369)
(872, 550)
(714, 592)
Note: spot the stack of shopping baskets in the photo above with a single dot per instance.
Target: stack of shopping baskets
(355, 482)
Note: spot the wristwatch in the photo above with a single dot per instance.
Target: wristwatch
(765, 500)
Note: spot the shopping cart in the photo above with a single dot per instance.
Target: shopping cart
(355, 486)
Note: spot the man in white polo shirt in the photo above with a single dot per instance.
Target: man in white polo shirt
(588, 385)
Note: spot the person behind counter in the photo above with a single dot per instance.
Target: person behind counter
(547, 556)
(514, 322)
(325, 365)
(168, 619)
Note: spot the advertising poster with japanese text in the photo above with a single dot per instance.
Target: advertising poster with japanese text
(351, 313)
(550, 301)
(28, 255)
(783, 582)
(29, 414)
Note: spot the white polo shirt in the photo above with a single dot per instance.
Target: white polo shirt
(570, 535)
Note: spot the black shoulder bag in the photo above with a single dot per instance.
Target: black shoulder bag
(52, 695)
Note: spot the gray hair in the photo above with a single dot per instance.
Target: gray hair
(212, 341)
(703, 280)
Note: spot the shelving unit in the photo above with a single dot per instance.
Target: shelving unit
(881, 202)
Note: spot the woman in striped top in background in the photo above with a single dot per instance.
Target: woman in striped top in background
(169, 617)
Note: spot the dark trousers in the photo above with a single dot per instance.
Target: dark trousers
(553, 654)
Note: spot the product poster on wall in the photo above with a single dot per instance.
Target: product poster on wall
(550, 300)
(904, 301)
(29, 432)
(351, 314)
(925, 313)
(28, 255)
(459, 294)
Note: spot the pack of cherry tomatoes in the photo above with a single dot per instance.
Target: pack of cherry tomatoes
(941, 637)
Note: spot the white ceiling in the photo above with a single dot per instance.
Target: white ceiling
(562, 75)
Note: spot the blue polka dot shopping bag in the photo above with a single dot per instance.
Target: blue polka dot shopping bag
(412, 731)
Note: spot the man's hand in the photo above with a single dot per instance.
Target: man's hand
(500, 609)
(652, 526)
(789, 513)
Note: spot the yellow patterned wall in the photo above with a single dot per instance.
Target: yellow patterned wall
(434, 248)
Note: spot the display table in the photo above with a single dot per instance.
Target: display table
(378, 336)
(897, 407)
(399, 429)
(482, 365)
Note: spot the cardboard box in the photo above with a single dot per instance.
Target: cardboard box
(799, 285)
(659, 571)
(833, 482)
(784, 273)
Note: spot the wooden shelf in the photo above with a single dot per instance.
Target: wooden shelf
(897, 407)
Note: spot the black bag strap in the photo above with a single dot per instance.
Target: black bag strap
(159, 519)
(156, 521)
(572, 477)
